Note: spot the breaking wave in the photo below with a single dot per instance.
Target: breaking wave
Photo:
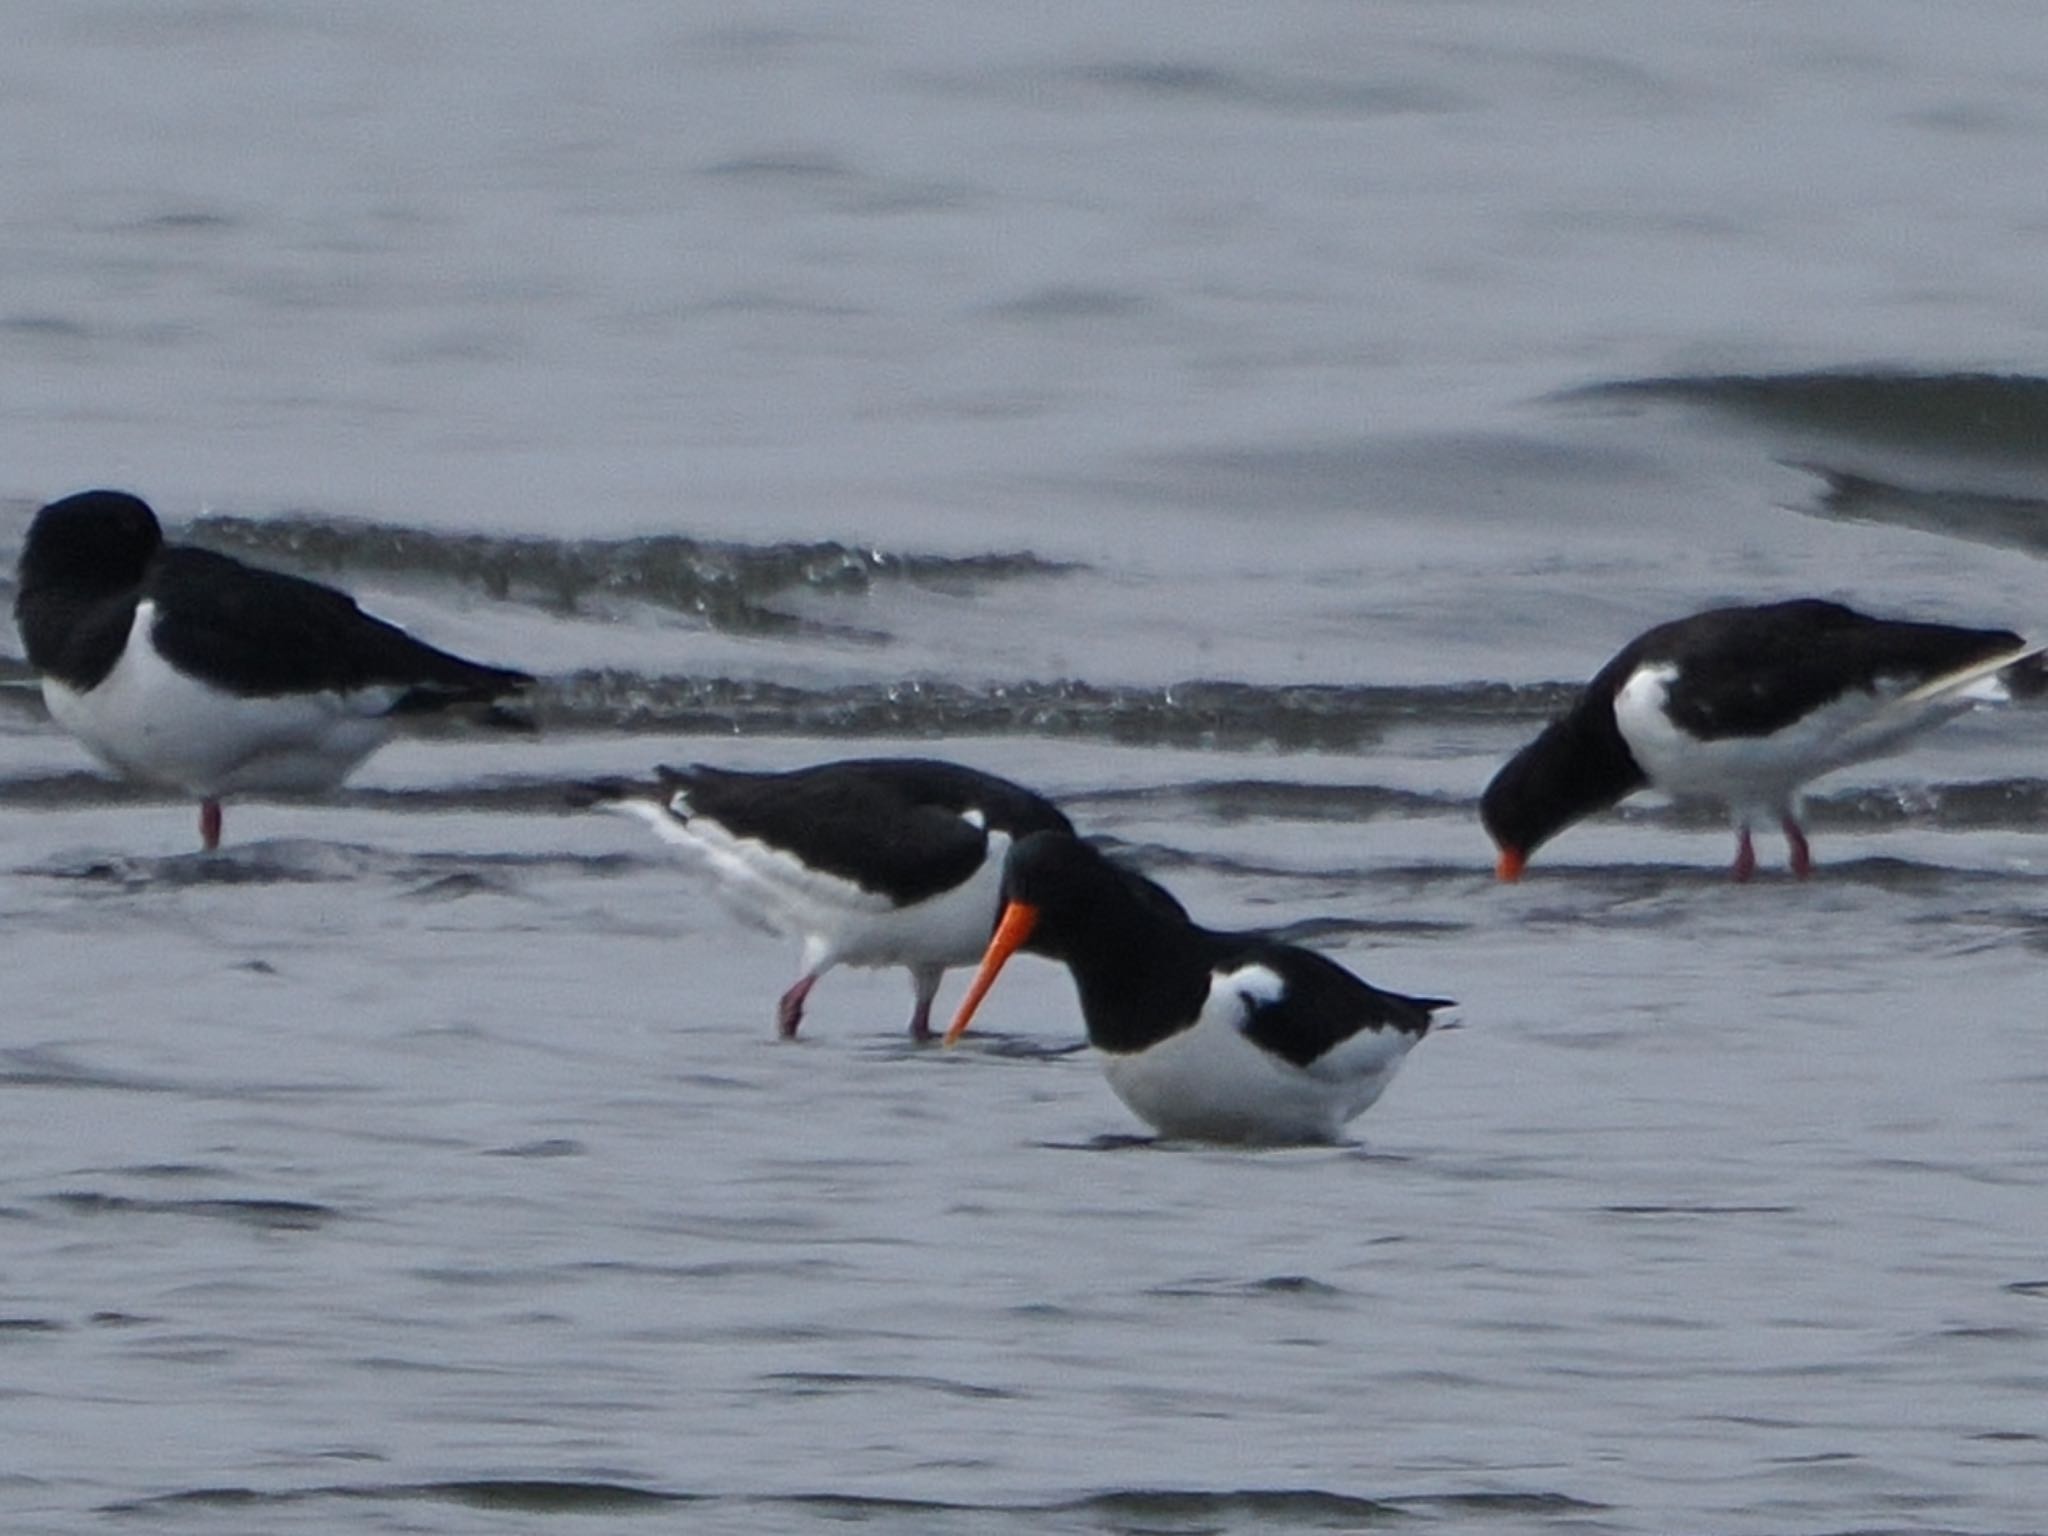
(729, 585)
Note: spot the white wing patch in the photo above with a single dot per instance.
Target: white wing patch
(1256, 984)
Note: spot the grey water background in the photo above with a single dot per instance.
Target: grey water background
(1243, 423)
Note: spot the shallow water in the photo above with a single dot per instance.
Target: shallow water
(1245, 430)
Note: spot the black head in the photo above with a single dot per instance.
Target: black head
(1080, 895)
(96, 541)
(1579, 765)
(1118, 932)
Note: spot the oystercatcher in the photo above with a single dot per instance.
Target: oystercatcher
(188, 669)
(869, 861)
(1744, 705)
(1207, 1036)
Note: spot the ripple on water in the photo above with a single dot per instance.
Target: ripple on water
(265, 1214)
(1150, 1511)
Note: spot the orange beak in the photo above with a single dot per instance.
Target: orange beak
(1509, 869)
(1019, 918)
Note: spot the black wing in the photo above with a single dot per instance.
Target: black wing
(1754, 670)
(1322, 1004)
(896, 826)
(255, 632)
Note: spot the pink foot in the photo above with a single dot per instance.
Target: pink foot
(1796, 844)
(1745, 857)
(209, 825)
(926, 981)
(789, 1009)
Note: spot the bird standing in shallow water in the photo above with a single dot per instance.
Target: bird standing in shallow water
(869, 861)
(1207, 1036)
(189, 669)
(1745, 705)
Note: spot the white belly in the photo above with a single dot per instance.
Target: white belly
(838, 921)
(151, 722)
(1761, 775)
(1209, 1083)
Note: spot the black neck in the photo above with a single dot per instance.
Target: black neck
(1142, 971)
(74, 639)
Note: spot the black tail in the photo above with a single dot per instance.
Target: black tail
(586, 793)
(473, 692)
(502, 717)
(2027, 678)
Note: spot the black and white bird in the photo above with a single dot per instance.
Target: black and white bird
(868, 861)
(191, 670)
(1744, 706)
(1206, 1036)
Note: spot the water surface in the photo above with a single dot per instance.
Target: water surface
(1244, 427)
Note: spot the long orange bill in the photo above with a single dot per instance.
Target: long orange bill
(1019, 918)
(1510, 866)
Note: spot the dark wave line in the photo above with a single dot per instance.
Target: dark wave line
(269, 1215)
(43, 1067)
(306, 861)
(455, 877)
(511, 1495)
(1281, 1509)
(2001, 416)
(1222, 802)
(1964, 805)
(1196, 713)
(725, 583)
(825, 1383)
(2005, 522)
(1235, 800)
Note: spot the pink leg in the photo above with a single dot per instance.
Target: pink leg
(925, 978)
(1797, 846)
(789, 1010)
(1745, 856)
(209, 825)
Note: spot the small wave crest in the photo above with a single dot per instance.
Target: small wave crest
(1227, 715)
(727, 584)
(2007, 522)
(1991, 415)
